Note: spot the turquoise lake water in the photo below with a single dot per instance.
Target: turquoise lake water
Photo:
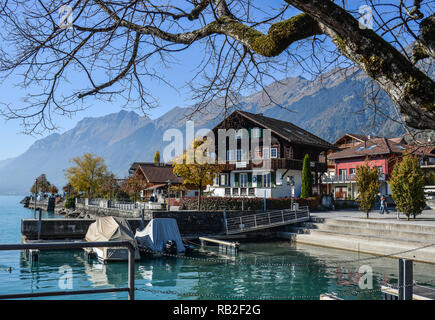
(308, 272)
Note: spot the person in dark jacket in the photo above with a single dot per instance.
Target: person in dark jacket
(383, 207)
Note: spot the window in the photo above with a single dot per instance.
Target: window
(380, 169)
(251, 192)
(265, 153)
(228, 191)
(274, 152)
(239, 154)
(342, 173)
(243, 180)
(216, 180)
(266, 180)
(235, 191)
(243, 191)
(224, 179)
(372, 147)
(360, 149)
(352, 171)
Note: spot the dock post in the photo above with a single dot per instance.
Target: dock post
(405, 279)
(225, 221)
(264, 203)
(143, 219)
(39, 223)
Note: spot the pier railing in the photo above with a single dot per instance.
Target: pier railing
(69, 246)
(266, 220)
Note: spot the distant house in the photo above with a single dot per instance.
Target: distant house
(157, 177)
(382, 153)
(266, 170)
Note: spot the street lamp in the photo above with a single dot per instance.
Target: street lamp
(169, 193)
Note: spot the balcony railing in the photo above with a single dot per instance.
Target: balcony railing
(345, 178)
(274, 164)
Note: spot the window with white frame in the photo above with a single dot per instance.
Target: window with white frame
(274, 152)
(224, 179)
(265, 153)
(243, 180)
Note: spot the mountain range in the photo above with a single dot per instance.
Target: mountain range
(328, 107)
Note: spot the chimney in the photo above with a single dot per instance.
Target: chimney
(259, 114)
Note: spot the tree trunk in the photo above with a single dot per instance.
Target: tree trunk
(407, 86)
(367, 214)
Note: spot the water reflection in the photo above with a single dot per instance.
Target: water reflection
(265, 271)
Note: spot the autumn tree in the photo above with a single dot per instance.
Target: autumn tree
(87, 175)
(407, 184)
(109, 186)
(245, 44)
(307, 178)
(196, 167)
(53, 190)
(157, 157)
(134, 185)
(69, 190)
(368, 185)
(43, 185)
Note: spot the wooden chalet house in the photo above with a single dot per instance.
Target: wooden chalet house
(266, 170)
(156, 177)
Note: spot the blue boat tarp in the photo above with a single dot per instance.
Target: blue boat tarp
(157, 232)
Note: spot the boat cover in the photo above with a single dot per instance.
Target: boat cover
(111, 229)
(157, 232)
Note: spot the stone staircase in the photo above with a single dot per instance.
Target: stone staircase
(395, 238)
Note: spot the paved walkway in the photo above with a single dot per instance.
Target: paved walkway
(427, 217)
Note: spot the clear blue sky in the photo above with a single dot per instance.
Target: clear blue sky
(13, 142)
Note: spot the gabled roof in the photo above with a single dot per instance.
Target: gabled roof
(286, 130)
(158, 173)
(375, 146)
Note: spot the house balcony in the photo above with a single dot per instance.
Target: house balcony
(273, 164)
(345, 178)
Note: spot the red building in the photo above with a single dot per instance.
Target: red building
(382, 153)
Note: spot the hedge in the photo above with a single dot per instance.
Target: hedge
(231, 203)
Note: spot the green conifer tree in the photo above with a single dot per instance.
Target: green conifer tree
(407, 185)
(368, 186)
(307, 178)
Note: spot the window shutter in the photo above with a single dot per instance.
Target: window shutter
(249, 179)
(236, 179)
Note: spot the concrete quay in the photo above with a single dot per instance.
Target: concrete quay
(382, 235)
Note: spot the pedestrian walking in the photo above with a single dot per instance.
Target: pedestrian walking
(383, 207)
